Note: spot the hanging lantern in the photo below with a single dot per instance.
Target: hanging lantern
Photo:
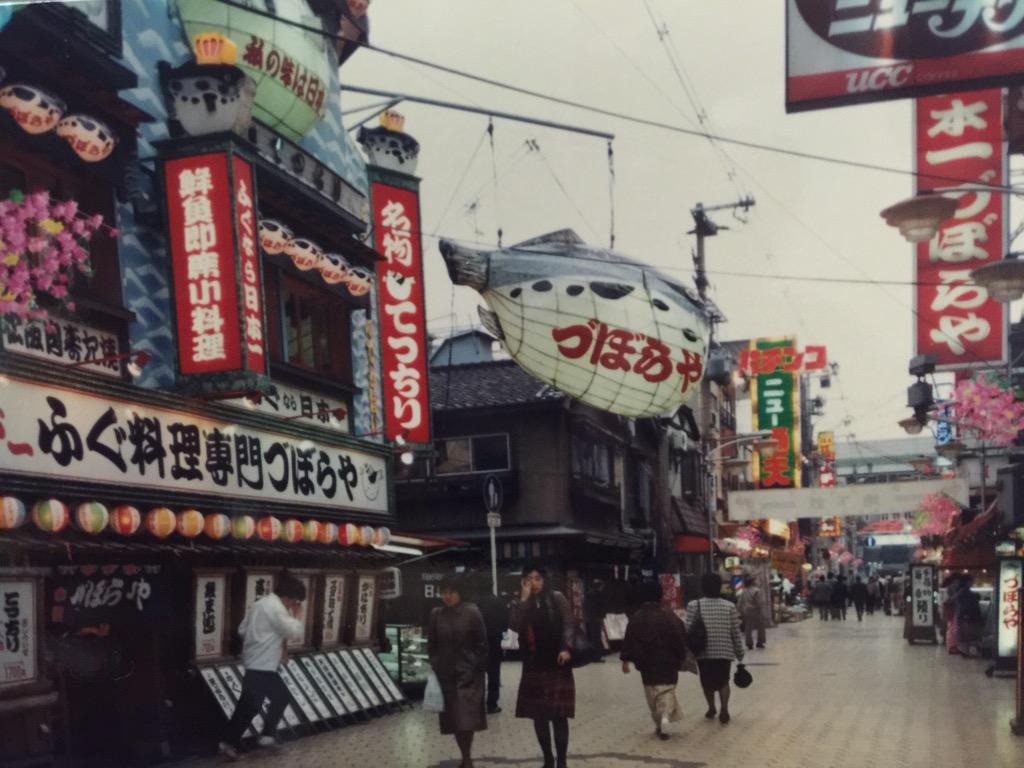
(381, 537)
(35, 110)
(366, 535)
(125, 519)
(217, 526)
(161, 522)
(50, 515)
(333, 268)
(348, 535)
(12, 513)
(292, 531)
(305, 254)
(91, 517)
(275, 237)
(90, 139)
(190, 523)
(311, 530)
(243, 527)
(605, 329)
(358, 281)
(328, 533)
(269, 528)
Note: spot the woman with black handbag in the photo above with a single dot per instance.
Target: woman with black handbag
(713, 627)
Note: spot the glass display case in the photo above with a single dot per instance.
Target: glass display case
(407, 662)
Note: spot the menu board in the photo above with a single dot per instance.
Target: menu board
(210, 620)
(18, 640)
(346, 675)
(332, 609)
(366, 605)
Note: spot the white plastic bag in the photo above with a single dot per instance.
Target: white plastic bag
(433, 698)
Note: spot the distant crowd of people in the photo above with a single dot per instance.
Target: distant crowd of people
(833, 595)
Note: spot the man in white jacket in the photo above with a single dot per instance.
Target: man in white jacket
(265, 630)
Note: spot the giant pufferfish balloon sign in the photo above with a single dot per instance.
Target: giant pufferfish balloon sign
(599, 326)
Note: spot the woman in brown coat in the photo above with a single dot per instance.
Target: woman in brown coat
(547, 690)
(656, 644)
(457, 646)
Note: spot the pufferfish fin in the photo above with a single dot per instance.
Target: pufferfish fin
(491, 322)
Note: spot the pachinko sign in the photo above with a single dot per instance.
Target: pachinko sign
(403, 319)
(775, 398)
(217, 282)
(961, 136)
(789, 359)
(854, 51)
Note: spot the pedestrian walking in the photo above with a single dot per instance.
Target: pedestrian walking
(969, 620)
(655, 643)
(822, 597)
(840, 596)
(595, 607)
(887, 591)
(724, 643)
(547, 690)
(873, 594)
(751, 609)
(859, 597)
(457, 647)
(265, 631)
(495, 613)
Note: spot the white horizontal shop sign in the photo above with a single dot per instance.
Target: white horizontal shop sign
(71, 435)
(840, 501)
(298, 404)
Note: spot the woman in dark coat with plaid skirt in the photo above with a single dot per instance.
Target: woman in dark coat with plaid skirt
(547, 690)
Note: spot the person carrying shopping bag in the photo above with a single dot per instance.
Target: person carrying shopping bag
(724, 643)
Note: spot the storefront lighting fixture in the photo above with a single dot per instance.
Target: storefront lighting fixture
(136, 361)
(918, 218)
(1004, 280)
(911, 425)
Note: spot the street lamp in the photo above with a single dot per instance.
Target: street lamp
(918, 218)
(1004, 280)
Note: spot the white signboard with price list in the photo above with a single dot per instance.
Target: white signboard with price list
(332, 609)
(18, 641)
(366, 605)
(922, 585)
(210, 617)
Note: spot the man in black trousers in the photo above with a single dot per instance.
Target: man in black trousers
(495, 613)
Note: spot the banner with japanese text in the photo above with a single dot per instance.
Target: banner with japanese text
(210, 618)
(18, 639)
(959, 136)
(775, 399)
(403, 318)
(67, 434)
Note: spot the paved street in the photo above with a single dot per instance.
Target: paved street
(824, 695)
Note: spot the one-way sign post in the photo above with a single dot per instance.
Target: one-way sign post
(494, 495)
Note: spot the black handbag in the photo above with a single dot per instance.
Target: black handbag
(741, 677)
(697, 635)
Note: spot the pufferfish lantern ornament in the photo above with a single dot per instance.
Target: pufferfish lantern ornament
(599, 326)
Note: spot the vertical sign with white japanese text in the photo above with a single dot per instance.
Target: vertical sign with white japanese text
(210, 597)
(258, 584)
(403, 325)
(959, 139)
(775, 396)
(18, 651)
(365, 607)
(333, 605)
(249, 261)
(922, 586)
(201, 230)
(1008, 617)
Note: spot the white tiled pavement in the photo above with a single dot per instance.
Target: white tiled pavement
(825, 695)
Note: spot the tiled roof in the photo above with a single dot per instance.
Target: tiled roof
(487, 385)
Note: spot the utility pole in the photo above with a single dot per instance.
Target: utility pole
(705, 227)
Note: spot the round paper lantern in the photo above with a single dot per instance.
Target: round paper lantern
(366, 535)
(50, 515)
(311, 530)
(275, 237)
(12, 513)
(305, 254)
(190, 523)
(217, 526)
(243, 527)
(34, 109)
(333, 268)
(603, 328)
(292, 531)
(161, 522)
(91, 516)
(89, 138)
(328, 533)
(359, 281)
(381, 536)
(125, 519)
(348, 535)
(269, 528)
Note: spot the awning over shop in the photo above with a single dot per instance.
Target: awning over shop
(686, 543)
(541, 532)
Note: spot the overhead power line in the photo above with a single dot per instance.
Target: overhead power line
(786, 151)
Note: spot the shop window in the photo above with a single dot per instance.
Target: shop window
(28, 173)
(466, 455)
(309, 327)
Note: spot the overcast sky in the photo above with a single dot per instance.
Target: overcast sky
(811, 219)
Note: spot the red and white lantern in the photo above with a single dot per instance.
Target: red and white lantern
(269, 528)
(348, 535)
(328, 533)
(292, 531)
(125, 519)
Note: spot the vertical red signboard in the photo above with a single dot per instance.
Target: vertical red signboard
(396, 224)
(249, 261)
(959, 136)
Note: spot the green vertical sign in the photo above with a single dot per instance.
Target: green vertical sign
(775, 401)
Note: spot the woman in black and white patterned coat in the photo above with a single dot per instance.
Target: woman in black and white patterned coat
(724, 646)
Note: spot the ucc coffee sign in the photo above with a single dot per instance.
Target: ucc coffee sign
(852, 51)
